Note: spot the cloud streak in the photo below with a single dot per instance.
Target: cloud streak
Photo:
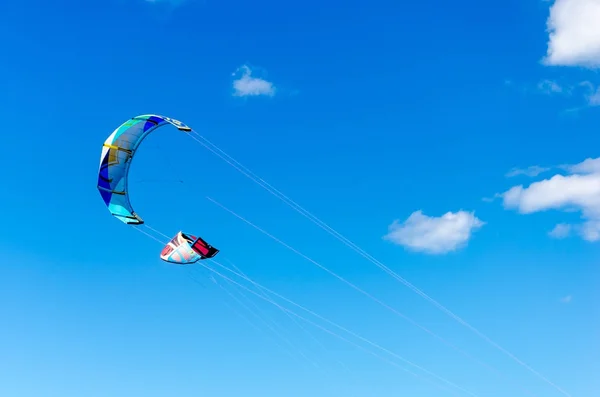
(531, 171)
(434, 235)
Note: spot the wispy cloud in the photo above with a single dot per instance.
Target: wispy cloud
(491, 199)
(550, 87)
(247, 85)
(560, 231)
(585, 90)
(574, 33)
(566, 299)
(434, 235)
(582, 94)
(531, 171)
(594, 97)
(579, 191)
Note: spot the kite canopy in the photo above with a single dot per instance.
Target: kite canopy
(117, 152)
(185, 249)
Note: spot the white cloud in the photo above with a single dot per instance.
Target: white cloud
(434, 235)
(574, 33)
(561, 230)
(579, 191)
(531, 171)
(555, 193)
(246, 85)
(587, 166)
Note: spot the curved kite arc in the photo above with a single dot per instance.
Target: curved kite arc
(115, 160)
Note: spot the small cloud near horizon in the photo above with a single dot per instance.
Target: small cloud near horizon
(247, 85)
(434, 235)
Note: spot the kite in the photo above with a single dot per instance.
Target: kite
(186, 249)
(117, 153)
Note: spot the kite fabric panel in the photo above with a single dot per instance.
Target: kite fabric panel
(117, 152)
(186, 249)
(203, 248)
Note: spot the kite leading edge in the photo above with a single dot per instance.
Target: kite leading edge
(117, 152)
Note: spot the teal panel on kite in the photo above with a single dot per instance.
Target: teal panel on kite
(186, 249)
(117, 152)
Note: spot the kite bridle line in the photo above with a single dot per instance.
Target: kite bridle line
(269, 326)
(368, 295)
(189, 273)
(324, 329)
(292, 318)
(249, 174)
(259, 289)
(298, 208)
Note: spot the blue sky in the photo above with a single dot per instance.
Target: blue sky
(456, 143)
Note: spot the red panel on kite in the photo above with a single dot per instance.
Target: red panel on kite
(204, 249)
